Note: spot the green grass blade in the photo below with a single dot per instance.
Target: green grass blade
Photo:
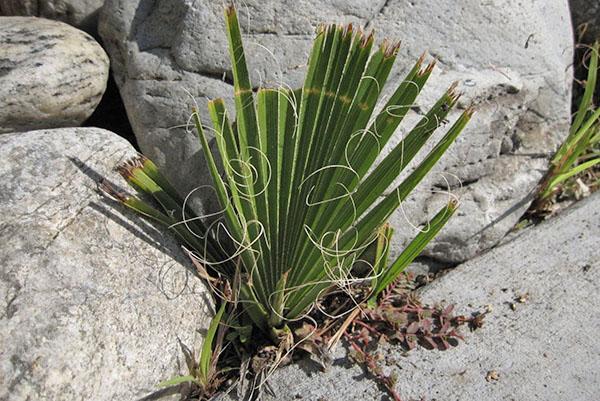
(206, 354)
(559, 179)
(244, 101)
(177, 380)
(588, 94)
(268, 207)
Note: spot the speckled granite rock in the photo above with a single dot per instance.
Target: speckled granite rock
(546, 349)
(512, 57)
(93, 299)
(80, 13)
(51, 74)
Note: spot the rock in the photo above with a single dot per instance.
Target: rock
(514, 68)
(51, 74)
(545, 349)
(82, 14)
(94, 300)
(586, 16)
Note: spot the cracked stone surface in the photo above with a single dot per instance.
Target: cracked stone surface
(80, 13)
(512, 58)
(93, 299)
(51, 74)
(546, 349)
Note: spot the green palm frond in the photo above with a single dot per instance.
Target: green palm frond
(300, 192)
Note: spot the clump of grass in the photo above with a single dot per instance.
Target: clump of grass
(203, 371)
(303, 201)
(580, 152)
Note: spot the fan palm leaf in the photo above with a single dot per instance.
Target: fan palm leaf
(300, 193)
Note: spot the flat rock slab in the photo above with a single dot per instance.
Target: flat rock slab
(513, 60)
(546, 349)
(93, 300)
(51, 74)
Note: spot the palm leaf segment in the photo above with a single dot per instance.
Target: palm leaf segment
(301, 198)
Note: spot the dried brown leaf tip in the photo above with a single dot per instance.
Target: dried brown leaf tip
(389, 49)
(127, 168)
(452, 93)
(348, 30)
(427, 70)
(470, 111)
(105, 187)
(453, 204)
(367, 39)
(321, 28)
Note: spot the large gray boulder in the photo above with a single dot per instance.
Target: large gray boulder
(94, 300)
(51, 74)
(80, 13)
(513, 59)
(544, 349)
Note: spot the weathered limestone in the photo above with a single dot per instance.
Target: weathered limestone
(94, 299)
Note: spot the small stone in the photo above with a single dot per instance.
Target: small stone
(51, 74)
(492, 375)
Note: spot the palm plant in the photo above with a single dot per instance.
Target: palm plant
(301, 195)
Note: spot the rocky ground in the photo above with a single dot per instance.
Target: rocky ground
(96, 300)
(537, 343)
